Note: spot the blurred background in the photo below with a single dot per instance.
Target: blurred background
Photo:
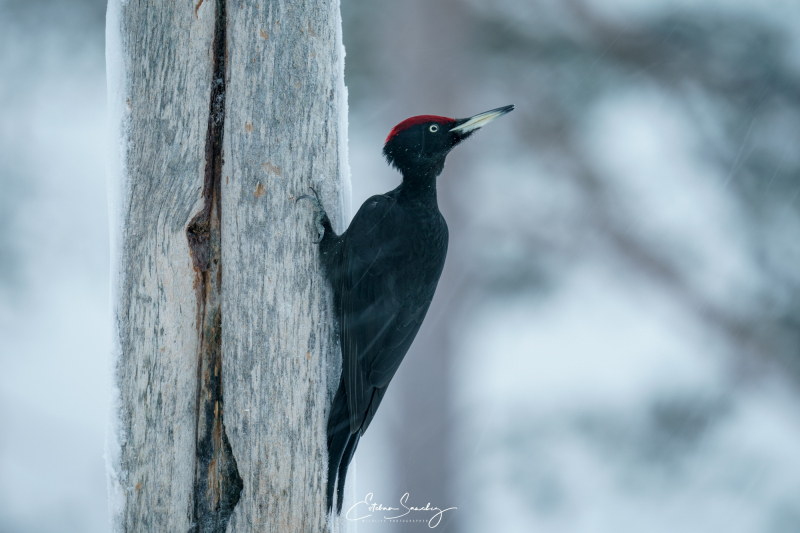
(615, 343)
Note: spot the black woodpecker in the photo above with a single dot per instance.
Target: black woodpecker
(383, 270)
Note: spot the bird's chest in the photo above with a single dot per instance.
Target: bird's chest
(421, 257)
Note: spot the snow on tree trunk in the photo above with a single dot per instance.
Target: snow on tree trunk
(227, 355)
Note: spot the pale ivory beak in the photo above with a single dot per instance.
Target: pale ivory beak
(482, 119)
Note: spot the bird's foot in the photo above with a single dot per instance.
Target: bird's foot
(319, 212)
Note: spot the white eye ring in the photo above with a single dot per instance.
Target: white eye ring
(434, 128)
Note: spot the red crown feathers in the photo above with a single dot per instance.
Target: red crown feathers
(420, 119)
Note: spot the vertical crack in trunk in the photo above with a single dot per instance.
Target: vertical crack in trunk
(217, 484)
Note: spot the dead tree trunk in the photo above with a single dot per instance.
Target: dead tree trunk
(226, 359)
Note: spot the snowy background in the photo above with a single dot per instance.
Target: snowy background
(615, 344)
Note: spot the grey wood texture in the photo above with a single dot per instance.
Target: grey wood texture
(166, 53)
(281, 359)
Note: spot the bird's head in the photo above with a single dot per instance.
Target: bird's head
(419, 145)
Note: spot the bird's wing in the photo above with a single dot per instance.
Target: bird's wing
(377, 396)
(378, 322)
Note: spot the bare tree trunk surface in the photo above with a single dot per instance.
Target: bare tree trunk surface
(278, 336)
(226, 340)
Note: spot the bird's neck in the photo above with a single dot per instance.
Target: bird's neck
(419, 188)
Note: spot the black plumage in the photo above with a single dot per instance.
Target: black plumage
(384, 270)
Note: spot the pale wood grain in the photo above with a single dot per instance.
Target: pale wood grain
(279, 351)
(166, 50)
(281, 357)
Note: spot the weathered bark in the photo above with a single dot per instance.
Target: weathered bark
(277, 335)
(226, 338)
(166, 54)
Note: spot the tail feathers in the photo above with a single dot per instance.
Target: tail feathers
(338, 440)
(335, 453)
(349, 451)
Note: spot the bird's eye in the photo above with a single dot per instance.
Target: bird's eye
(434, 128)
